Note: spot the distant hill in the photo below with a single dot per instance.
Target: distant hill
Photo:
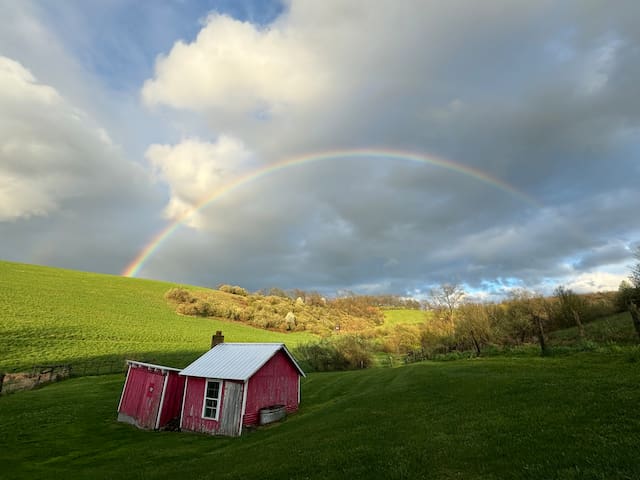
(51, 315)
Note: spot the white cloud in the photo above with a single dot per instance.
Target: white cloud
(596, 282)
(237, 66)
(196, 169)
(50, 151)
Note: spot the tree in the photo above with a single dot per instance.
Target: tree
(570, 307)
(633, 302)
(635, 316)
(527, 314)
(474, 325)
(445, 299)
(626, 294)
(635, 270)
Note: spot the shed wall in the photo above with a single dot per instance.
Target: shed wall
(141, 397)
(172, 403)
(230, 408)
(276, 383)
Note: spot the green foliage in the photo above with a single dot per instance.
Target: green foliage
(496, 418)
(55, 316)
(614, 329)
(401, 338)
(626, 294)
(344, 352)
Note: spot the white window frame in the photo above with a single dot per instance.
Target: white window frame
(204, 401)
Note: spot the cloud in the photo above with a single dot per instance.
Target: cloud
(50, 152)
(536, 103)
(195, 169)
(68, 194)
(595, 282)
(539, 96)
(236, 66)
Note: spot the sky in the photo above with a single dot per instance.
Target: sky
(334, 146)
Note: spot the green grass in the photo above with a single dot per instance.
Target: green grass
(397, 316)
(51, 315)
(616, 329)
(498, 418)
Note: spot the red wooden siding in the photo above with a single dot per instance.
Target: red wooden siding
(192, 409)
(141, 397)
(276, 383)
(172, 402)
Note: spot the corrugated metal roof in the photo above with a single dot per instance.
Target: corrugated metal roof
(236, 361)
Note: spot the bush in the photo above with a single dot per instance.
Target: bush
(357, 351)
(342, 353)
(198, 308)
(179, 295)
(233, 289)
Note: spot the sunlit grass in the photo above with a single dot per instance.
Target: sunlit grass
(50, 315)
(395, 316)
(498, 418)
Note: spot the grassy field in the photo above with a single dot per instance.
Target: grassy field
(498, 418)
(50, 315)
(395, 316)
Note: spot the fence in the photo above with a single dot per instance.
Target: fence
(37, 375)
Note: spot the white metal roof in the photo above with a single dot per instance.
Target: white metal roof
(236, 361)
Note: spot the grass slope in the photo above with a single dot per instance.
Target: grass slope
(498, 418)
(396, 316)
(51, 315)
(614, 329)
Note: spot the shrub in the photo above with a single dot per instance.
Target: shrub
(233, 289)
(199, 308)
(341, 353)
(290, 320)
(179, 295)
(357, 351)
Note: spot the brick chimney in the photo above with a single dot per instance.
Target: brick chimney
(217, 339)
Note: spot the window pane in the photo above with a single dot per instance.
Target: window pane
(213, 389)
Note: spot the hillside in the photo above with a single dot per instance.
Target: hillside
(498, 418)
(52, 315)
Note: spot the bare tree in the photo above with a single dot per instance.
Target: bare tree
(474, 324)
(446, 299)
(570, 306)
(528, 312)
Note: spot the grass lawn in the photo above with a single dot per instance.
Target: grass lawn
(497, 418)
(51, 315)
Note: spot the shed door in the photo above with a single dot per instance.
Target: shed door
(149, 399)
(231, 409)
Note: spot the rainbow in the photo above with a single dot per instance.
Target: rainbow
(150, 248)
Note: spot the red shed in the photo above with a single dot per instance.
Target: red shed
(151, 396)
(226, 388)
